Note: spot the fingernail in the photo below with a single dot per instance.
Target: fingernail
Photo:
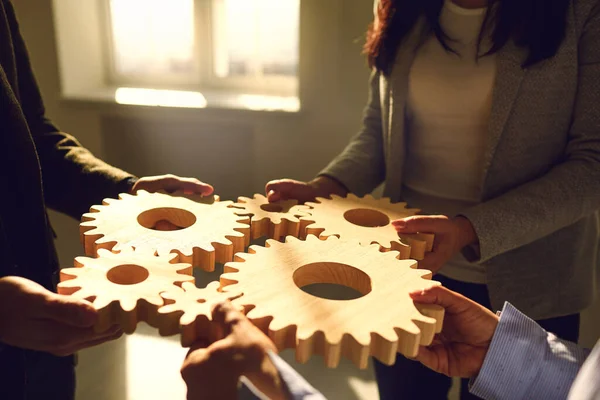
(399, 224)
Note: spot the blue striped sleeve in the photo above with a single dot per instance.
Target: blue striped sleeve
(526, 362)
(297, 386)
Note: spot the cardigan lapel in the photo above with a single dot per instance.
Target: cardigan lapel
(397, 88)
(509, 77)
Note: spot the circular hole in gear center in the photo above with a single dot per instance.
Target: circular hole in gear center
(274, 208)
(332, 281)
(166, 219)
(128, 274)
(366, 217)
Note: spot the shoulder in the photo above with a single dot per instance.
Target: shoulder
(584, 12)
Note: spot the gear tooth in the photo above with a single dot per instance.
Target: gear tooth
(256, 312)
(228, 279)
(101, 302)
(272, 243)
(385, 347)
(213, 287)
(188, 286)
(169, 309)
(95, 209)
(128, 304)
(155, 300)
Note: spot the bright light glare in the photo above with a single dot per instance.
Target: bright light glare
(256, 37)
(269, 103)
(161, 98)
(152, 37)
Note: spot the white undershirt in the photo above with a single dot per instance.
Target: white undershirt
(448, 109)
(449, 104)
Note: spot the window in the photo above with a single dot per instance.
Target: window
(248, 46)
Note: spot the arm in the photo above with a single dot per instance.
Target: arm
(510, 357)
(572, 188)
(214, 370)
(361, 166)
(73, 178)
(295, 385)
(526, 362)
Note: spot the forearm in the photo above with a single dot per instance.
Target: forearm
(532, 211)
(73, 178)
(360, 168)
(526, 362)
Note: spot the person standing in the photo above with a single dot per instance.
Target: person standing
(484, 114)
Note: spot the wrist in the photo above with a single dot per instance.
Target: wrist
(466, 232)
(325, 186)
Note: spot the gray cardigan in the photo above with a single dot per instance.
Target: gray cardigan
(537, 222)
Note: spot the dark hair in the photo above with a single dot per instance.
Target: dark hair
(536, 25)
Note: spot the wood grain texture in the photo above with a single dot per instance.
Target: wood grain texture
(125, 287)
(207, 230)
(381, 323)
(273, 220)
(367, 220)
(189, 311)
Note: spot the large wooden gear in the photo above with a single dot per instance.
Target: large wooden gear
(189, 311)
(124, 287)
(210, 230)
(367, 220)
(381, 323)
(274, 220)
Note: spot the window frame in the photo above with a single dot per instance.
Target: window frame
(203, 76)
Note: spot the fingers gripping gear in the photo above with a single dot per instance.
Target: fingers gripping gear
(271, 278)
(274, 220)
(365, 219)
(189, 311)
(207, 230)
(124, 287)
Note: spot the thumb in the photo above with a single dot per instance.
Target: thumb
(451, 301)
(69, 310)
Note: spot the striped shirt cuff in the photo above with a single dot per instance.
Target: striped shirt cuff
(524, 361)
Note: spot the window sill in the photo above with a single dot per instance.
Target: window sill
(171, 99)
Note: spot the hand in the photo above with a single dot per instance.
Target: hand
(451, 235)
(46, 321)
(286, 189)
(172, 183)
(461, 347)
(213, 371)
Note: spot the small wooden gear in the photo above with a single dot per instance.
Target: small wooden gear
(367, 220)
(209, 231)
(381, 323)
(189, 311)
(274, 220)
(124, 287)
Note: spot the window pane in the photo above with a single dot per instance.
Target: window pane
(153, 37)
(256, 37)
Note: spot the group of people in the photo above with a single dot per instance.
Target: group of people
(482, 113)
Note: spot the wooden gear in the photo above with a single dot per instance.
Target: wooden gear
(381, 323)
(124, 287)
(210, 230)
(274, 220)
(189, 311)
(365, 219)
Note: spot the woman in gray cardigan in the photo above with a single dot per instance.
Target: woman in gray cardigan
(486, 115)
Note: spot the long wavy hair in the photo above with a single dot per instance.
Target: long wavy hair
(536, 25)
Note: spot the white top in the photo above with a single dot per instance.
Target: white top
(448, 109)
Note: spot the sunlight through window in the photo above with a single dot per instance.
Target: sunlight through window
(240, 45)
(152, 37)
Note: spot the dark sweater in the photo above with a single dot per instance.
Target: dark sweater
(39, 167)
